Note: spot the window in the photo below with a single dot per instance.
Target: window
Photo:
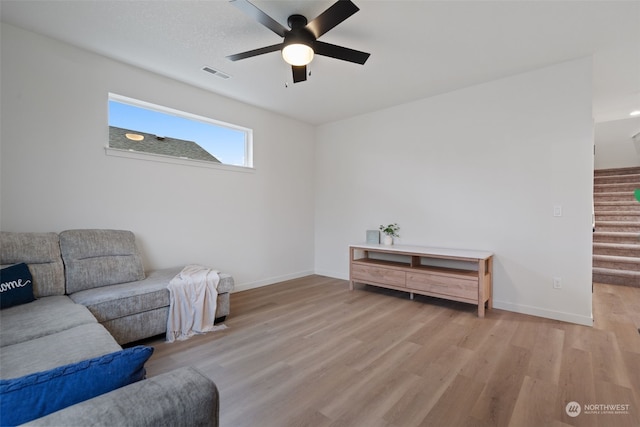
(151, 132)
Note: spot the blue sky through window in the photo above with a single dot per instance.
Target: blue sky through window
(226, 144)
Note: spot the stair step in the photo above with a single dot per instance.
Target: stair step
(627, 216)
(616, 262)
(616, 187)
(609, 179)
(622, 226)
(617, 249)
(618, 212)
(615, 237)
(615, 196)
(616, 277)
(617, 172)
(614, 204)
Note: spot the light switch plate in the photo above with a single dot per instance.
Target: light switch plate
(557, 210)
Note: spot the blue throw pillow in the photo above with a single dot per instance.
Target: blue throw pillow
(16, 286)
(36, 395)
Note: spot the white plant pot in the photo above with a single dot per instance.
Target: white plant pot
(387, 240)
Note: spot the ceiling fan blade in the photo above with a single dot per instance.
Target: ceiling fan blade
(251, 10)
(255, 52)
(299, 73)
(339, 52)
(338, 12)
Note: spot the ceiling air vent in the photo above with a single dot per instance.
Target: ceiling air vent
(216, 72)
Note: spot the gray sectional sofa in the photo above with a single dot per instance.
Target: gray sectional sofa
(92, 296)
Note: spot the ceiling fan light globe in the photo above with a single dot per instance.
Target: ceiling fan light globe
(297, 54)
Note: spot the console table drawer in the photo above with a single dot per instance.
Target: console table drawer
(381, 275)
(455, 286)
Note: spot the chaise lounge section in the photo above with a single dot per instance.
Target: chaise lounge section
(104, 272)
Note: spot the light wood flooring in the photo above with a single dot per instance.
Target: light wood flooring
(308, 352)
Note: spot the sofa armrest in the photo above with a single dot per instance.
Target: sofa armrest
(183, 397)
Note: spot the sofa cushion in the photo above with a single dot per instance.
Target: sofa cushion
(44, 316)
(50, 351)
(41, 251)
(95, 258)
(39, 394)
(16, 286)
(125, 299)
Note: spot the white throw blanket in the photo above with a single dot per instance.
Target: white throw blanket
(192, 302)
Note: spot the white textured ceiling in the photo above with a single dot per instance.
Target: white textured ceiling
(418, 48)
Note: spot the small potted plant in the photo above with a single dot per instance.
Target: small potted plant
(390, 231)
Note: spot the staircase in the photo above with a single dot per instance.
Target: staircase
(616, 240)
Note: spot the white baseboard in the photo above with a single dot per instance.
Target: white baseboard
(332, 274)
(547, 314)
(270, 281)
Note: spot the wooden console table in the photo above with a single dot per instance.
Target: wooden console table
(454, 274)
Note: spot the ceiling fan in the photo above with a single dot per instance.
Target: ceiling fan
(301, 40)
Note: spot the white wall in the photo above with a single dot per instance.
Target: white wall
(55, 174)
(479, 168)
(614, 146)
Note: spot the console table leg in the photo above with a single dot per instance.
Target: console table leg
(481, 287)
(411, 296)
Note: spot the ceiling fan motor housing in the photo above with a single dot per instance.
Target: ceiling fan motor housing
(298, 34)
